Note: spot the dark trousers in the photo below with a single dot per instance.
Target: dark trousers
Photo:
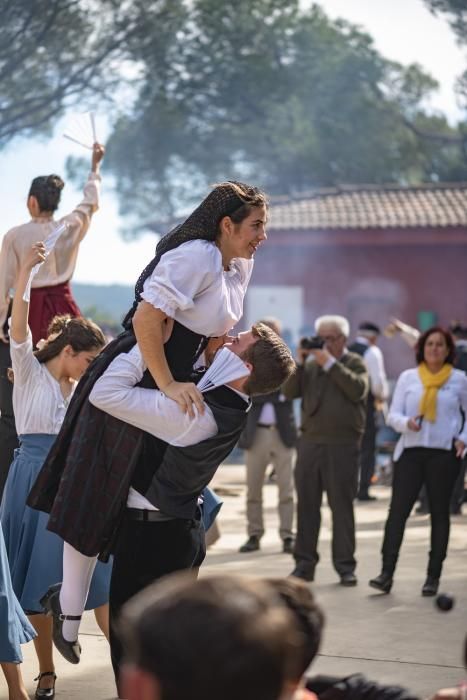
(144, 552)
(437, 470)
(458, 492)
(334, 469)
(8, 437)
(367, 453)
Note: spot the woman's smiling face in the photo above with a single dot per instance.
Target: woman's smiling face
(248, 235)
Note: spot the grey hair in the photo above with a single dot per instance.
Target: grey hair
(339, 322)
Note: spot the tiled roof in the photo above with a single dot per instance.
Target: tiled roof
(372, 206)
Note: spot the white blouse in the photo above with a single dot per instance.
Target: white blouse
(190, 285)
(61, 262)
(452, 396)
(38, 403)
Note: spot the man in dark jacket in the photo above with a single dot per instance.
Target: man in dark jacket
(269, 437)
(333, 386)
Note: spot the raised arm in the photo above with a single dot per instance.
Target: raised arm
(20, 310)
(8, 270)
(80, 218)
(352, 379)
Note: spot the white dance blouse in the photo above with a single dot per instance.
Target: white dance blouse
(38, 403)
(452, 397)
(61, 262)
(190, 285)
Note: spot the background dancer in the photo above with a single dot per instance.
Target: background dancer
(198, 278)
(43, 384)
(50, 294)
(14, 631)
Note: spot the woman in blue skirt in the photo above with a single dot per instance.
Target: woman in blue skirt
(14, 630)
(43, 384)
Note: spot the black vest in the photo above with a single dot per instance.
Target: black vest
(172, 478)
(460, 361)
(360, 349)
(285, 420)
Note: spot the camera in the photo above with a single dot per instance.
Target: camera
(312, 343)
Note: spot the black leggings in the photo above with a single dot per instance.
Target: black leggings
(437, 470)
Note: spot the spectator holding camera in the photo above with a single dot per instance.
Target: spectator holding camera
(333, 385)
(427, 409)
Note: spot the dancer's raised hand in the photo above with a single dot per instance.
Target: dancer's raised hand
(98, 151)
(186, 395)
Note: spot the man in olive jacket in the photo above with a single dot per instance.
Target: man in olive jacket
(333, 385)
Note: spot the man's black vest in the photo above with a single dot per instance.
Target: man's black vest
(285, 420)
(172, 478)
(360, 349)
(460, 361)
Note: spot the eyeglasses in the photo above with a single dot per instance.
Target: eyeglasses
(331, 338)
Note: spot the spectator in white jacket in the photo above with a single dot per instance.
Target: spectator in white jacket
(427, 410)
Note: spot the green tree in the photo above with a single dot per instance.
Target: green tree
(262, 90)
(57, 54)
(456, 11)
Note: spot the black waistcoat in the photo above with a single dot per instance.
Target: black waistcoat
(174, 479)
(360, 349)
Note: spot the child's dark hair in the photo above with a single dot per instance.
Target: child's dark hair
(47, 189)
(82, 334)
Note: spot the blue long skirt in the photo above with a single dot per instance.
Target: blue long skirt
(35, 554)
(14, 625)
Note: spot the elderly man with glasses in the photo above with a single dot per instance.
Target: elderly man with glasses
(333, 386)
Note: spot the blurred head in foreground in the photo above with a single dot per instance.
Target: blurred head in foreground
(220, 637)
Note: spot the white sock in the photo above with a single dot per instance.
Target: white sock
(77, 574)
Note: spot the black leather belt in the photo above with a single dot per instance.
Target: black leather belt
(147, 516)
(266, 425)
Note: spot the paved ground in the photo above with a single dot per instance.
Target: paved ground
(400, 638)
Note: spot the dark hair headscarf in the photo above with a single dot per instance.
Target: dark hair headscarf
(225, 199)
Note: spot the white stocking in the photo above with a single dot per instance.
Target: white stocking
(77, 574)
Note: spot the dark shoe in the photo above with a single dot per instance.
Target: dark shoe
(382, 583)
(362, 497)
(306, 574)
(430, 587)
(251, 545)
(288, 545)
(42, 693)
(71, 651)
(348, 579)
(421, 510)
(271, 477)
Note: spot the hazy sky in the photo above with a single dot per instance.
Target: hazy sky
(403, 30)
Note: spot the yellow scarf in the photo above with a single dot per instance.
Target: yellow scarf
(431, 383)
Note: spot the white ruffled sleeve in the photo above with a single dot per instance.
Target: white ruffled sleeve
(181, 275)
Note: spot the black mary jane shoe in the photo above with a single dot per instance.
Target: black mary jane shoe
(382, 583)
(42, 693)
(430, 587)
(71, 651)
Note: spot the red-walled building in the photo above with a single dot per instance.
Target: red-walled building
(368, 253)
